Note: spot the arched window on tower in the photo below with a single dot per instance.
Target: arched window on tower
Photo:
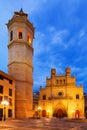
(29, 38)
(77, 96)
(11, 35)
(44, 97)
(20, 36)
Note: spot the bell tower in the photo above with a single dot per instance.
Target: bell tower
(20, 54)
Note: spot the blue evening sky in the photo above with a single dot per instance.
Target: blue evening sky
(60, 36)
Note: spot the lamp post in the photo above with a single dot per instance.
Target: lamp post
(73, 113)
(5, 103)
(39, 110)
(48, 113)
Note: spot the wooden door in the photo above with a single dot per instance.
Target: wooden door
(43, 113)
(59, 113)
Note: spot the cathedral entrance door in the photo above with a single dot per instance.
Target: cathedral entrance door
(59, 113)
(43, 113)
(77, 113)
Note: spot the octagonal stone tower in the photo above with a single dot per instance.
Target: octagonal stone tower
(20, 54)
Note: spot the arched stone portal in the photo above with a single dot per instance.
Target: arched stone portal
(77, 114)
(43, 113)
(60, 111)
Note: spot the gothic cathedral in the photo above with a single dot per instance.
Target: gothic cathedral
(20, 54)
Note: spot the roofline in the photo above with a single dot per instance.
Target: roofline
(6, 75)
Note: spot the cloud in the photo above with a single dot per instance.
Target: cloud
(38, 43)
(58, 37)
(81, 33)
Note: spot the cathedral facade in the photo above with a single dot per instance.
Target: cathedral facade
(61, 97)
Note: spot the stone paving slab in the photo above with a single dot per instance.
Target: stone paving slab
(43, 124)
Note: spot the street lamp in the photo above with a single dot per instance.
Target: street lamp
(73, 112)
(5, 103)
(48, 113)
(39, 109)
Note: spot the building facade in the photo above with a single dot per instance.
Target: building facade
(20, 67)
(85, 97)
(35, 99)
(61, 97)
(7, 96)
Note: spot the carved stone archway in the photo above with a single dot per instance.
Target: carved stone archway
(77, 114)
(43, 113)
(59, 111)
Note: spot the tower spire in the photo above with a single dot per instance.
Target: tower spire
(21, 10)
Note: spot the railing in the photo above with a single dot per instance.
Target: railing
(62, 97)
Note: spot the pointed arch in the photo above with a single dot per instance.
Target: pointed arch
(60, 111)
(43, 113)
(77, 113)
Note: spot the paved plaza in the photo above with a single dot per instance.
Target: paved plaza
(44, 124)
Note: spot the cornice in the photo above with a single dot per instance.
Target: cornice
(20, 20)
(19, 62)
(21, 43)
